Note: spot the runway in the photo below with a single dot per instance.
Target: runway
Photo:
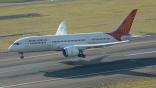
(104, 66)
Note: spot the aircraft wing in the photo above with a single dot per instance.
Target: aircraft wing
(62, 29)
(87, 46)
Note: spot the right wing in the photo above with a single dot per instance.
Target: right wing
(87, 46)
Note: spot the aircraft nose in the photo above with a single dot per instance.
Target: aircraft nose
(10, 49)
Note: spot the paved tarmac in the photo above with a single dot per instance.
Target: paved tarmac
(103, 66)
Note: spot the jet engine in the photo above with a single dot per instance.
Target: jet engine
(71, 51)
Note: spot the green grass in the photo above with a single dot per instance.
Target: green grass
(82, 16)
(141, 83)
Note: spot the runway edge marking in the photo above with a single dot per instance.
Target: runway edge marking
(141, 53)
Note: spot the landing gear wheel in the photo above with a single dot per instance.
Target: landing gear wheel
(22, 56)
(81, 54)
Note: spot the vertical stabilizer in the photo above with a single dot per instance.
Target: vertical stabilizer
(62, 29)
(125, 26)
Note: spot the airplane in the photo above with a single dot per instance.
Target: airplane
(73, 45)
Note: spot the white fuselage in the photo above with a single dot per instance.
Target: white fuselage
(56, 42)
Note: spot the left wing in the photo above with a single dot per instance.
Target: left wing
(62, 29)
(86, 46)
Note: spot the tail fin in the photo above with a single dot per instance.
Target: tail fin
(125, 26)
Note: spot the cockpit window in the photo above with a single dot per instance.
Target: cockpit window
(16, 43)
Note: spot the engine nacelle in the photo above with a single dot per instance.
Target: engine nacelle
(71, 51)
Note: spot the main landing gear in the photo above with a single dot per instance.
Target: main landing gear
(81, 54)
(22, 56)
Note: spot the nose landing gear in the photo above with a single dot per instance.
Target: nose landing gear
(22, 56)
